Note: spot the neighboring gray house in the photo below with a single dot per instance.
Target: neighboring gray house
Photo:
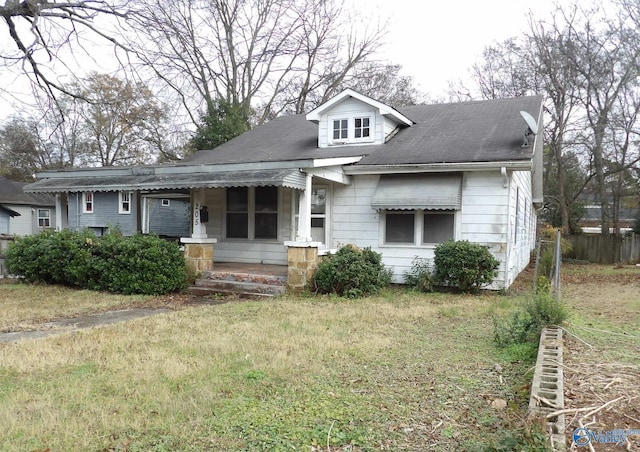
(129, 211)
(353, 170)
(22, 213)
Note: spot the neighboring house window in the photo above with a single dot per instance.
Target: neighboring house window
(361, 127)
(404, 227)
(252, 213)
(340, 129)
(44, 218)
(124, 202)
(165, 203)
(87, 202)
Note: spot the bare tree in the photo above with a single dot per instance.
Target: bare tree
(120, 121)
(44, 33)
(268, 56)
(585, 63)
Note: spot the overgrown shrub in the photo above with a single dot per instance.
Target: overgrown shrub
(141, 264)
(464, 265)
(420, 276)
(51, 257)
(352, 272)
(113, 263)
(526, 324)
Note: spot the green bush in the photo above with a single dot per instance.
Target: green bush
(526, 324)
(113, 263)
(464, 265)
(420, 277)
(352, 272)
(51, 257)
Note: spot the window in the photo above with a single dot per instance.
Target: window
(361, 126)
(165, 203)
(437, 227)
(252, 213)
(238, 212)
(87, 202)
(266, 213)
(340, 129)
(124, 204)
(352, 129)
(400, 227)
(418, 227)
(44, 218)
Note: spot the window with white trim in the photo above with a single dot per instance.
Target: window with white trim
(340, 129)
(418, 227)
(252, 213)
(87, 202)
(166, 203)
(124, 202)
(437, 227)
(361, 127)
(351, 129)
(44, 218)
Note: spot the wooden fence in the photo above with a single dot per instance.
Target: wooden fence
(606, 250)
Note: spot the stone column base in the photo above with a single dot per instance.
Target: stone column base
(198, 254)
(302, 260)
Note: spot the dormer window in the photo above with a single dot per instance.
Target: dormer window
(340, 129)
(351, 129)
(361, 127)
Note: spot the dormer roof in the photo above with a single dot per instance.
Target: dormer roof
(385, 110)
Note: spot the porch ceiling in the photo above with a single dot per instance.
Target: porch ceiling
(217, 179)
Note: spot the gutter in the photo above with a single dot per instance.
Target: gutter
(517, 165)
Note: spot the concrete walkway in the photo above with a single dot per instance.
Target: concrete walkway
(86, 321)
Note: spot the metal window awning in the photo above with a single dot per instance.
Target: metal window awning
(418, 191)
(171, 181)
(10, 212)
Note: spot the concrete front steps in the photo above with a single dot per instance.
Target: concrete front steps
(240, 284)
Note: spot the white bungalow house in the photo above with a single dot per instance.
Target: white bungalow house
(353, 170)
(21, 213)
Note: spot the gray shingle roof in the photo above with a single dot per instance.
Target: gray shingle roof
(11, 193)
(481, 131)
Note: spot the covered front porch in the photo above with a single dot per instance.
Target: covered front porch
(274, 213)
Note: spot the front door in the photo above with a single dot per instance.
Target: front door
(319, 198)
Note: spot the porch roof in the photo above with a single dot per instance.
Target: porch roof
(291, 178)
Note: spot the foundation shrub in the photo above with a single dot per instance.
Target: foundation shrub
(420, 276)
(463, 265)
(352, 272)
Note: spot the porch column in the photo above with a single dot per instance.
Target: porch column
(198, 228)
(304, 213)
(59, 222)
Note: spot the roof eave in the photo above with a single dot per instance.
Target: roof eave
(514, 165)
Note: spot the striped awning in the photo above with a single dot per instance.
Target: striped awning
(418, 191)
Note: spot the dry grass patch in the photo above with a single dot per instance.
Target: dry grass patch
(397, 371)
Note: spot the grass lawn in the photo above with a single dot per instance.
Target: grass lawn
(399, 371)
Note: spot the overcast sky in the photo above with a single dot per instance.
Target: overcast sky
(438, 41)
